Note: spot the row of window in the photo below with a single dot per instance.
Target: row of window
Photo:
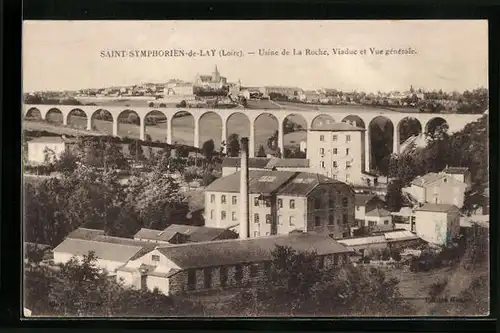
(223, 199)
(331, 220)
(256, 202)
(331, 202)
(335, 151)
(335, 138)
(335, 164)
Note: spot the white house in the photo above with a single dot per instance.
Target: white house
(437, 223)
(378, 217)
(50, 146)
(110, 256)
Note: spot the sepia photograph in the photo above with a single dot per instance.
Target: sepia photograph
(295, 168)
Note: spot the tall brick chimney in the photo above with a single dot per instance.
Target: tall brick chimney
(244, 205)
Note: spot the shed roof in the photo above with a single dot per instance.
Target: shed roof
(160, 235)
(238, 251)
(443, 208)
(103, 250)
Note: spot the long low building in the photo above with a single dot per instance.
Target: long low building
(222, 264)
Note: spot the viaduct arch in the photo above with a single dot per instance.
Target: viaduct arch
(455, 122)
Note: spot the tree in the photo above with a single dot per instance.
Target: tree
(233, 145)
(208, 149)
(272, 142)
(67, 162)
(394, 196)
(261, 152)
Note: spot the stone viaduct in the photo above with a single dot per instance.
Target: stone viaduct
(361, 118)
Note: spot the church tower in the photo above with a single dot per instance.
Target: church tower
(215, 75)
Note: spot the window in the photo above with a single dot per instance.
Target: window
(345, 202)
(292, 203)
(335, 259)
(223, 215)
(334, 138)
(292, 220)
(321, 138)
(256, 234)
(191, 279)
(347, 151)
(268, 202)
(317, 203)
(254, 270)
(256, 218)
(322, 164)
(256, 201)
(334, 151)
(234, 200)
(280, 203)
(268, 218)
(386, 222)
(330, 220)
(334, 177)
(223, 276)
(331, 202)
(212, 198)
(280, 219)
(358, 208)
(317, 221)
(238, 273)
(207, 274)
(267, 234)
(223, 199)
(347, 164)
(321, 262)
(233, 216)
(212, 214)
(371, 223)
(348, 138)
(322, 151)
(155, 258)
(345, 220)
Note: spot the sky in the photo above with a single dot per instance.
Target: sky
(450, 55)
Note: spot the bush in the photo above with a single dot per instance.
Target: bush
(437, 288)
(396, 255)
(385, 255)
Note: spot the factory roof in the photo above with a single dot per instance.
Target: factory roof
(84, 233)
(253, 162)
(240, 251)
(198, 234)
(287, 163)
(267, 182)
(336, 127)
(159, 235)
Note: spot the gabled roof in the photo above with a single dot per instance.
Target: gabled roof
(378, 212)
(84, 233)
(198, 234)
(305, 182)
(363, 199)
(443, 208)
(336, 127)
(456, 170)
(431, 177)
(103, 250)
(239, 251)
(253, 162)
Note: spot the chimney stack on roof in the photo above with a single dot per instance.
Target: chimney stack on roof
(244, 209)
